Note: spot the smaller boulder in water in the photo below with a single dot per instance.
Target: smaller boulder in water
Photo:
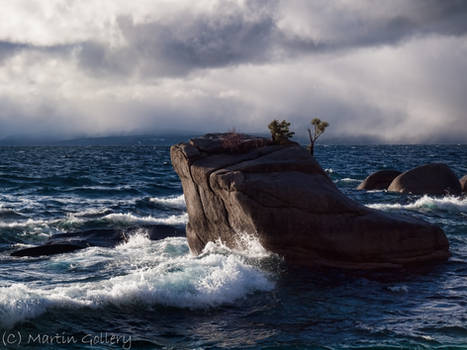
(48, 249)
(463, 182)
(434, 179)
(379, 180)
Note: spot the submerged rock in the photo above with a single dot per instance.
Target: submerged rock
(69, 242)
(435, 179)
(379, 180)
(463, 182)
(282, 195)
(48, 249)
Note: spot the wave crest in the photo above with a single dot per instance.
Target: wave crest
(155, 272)
(177, 202)
(131, 219)
(427, 203)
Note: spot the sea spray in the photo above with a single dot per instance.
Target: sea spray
(150, 273)
(177, 202)
(427, 203)
(78, 221)
(128, 218)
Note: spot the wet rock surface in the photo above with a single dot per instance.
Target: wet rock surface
(282, 195)
(434, 179)
(379, 180)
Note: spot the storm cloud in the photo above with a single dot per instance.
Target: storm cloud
(394, 70)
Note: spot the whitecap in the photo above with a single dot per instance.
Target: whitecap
(92, 212)
(427, 203)
(153, 272)
(25, 223)
(348, 179)
(177, 202)
(129, 218)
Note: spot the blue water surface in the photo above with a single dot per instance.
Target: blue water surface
(156, 295)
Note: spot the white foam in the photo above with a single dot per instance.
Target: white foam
(130, 218)
(427, 203)
(77, 218)
(152, 272)
(250, 245)
(24, 223)
(37, 224)
(348, 179)
(177, 202)
(92, 212)
(19, 302)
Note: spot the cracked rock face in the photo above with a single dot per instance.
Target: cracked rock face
(236, 184)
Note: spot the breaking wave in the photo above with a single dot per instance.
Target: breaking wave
(155, 272)
(177, 202)
(427, 203)
(129, 218)
(80, 218)
(348, 179)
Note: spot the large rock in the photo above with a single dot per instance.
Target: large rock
(463, 182)
(435, 179)
(379, 180)
(282, 195)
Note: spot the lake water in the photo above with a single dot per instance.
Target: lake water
(153, 294)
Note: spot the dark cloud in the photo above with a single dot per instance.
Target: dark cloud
(230, 35)
(351, 29)
(390, 70)
(8, 49)
(443, 17)
(233, 35)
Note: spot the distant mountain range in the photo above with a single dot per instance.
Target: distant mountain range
(169, 139)
(150, 140)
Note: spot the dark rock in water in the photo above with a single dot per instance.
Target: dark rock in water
(48, 249)
(379, 180)
(282, 195)
(463, 182)
(69, 242)
(435, 179)
(90, 238)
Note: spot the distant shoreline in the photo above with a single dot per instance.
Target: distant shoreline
(172, 138)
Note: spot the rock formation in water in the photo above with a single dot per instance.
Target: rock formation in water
(236, 184)
(434, 179)
(379, 180)
(463, 182)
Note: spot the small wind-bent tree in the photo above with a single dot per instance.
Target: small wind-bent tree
(318, 128)
(280, 131)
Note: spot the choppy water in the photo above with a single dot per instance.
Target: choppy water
(154, 294)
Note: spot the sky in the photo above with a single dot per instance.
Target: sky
(394, 70)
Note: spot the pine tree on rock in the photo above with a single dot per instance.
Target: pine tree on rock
(280, 132)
